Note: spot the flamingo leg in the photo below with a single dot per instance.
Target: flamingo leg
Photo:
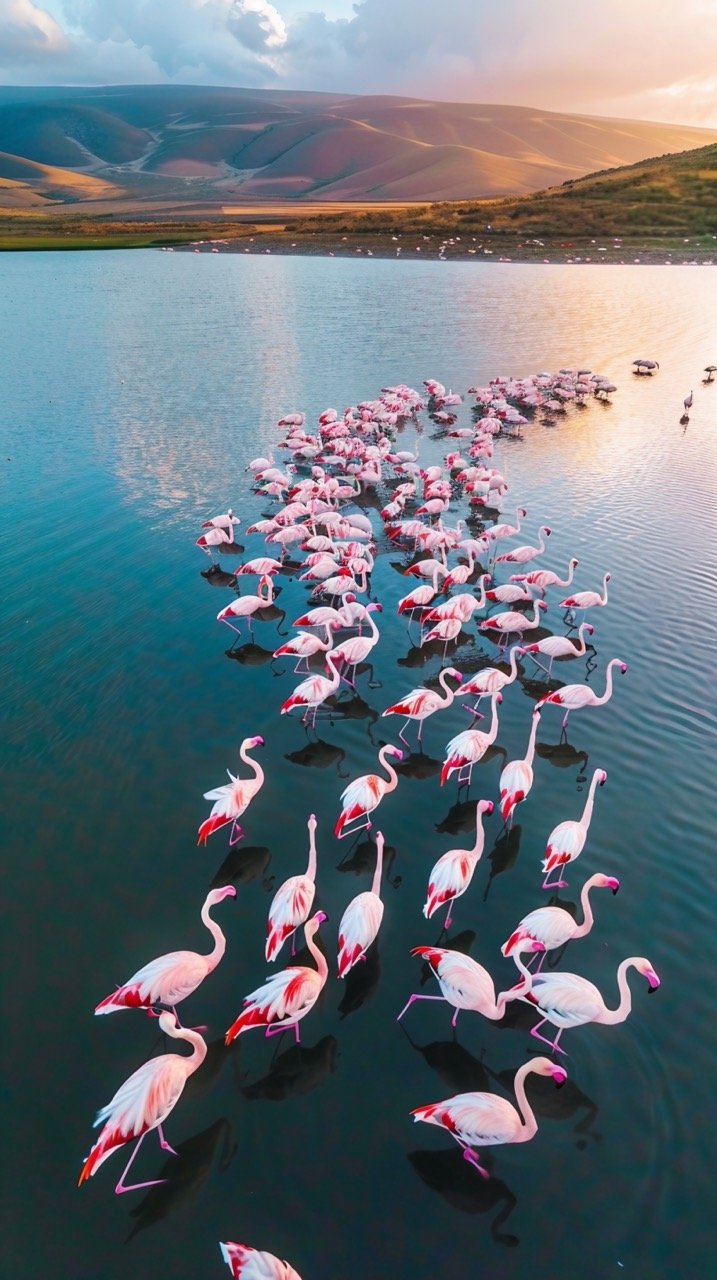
(402, 735)
(236, 834)
(410, 1001)
(231, 626)
(535, 1031)
(120, 1189)
(472, 1157)
(449, 919)
(163, 1141)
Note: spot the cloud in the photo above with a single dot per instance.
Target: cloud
(647, 58)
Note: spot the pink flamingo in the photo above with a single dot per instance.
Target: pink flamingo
(432, 569)
(484, 1119)
(467, 748)
(226, 521)
(465, 983)
(516, 779)
(143, 1103)
(509, 594)
(421, 703)
(418, 599)
(314, 691)
(447, 629)
(261, 566)
(567, 1000)
(246, 1263)
(491, 680)
(214, 538)
(460, 573)
(498, 531)
(362, 918)
(521, 555)
(559, 647)
(234, 797)
(462, 606)
(292, 902)
(554, 926)
(453, 872)
(575, 696)
(365, 794)
(567, 841)
(357, 648)
(587, 599)
(286, 997)
(247, 606)
(172, 977)
(544, 578)
(304, 646)
(513, 623)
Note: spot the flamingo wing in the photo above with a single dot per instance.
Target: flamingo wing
(141, 1103)
(246, 1263)
(359, 926)
(479, 1119)
(360, 797)
(166, 980)
(284, 997)
(515, 783)
(414, 704)
(566, 999)
(290, 908)
(449, 878)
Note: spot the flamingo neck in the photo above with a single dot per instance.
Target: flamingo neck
(480, 602)
(625, 1005)
(587, 910)
(375, 634)
(571, 574)
(493, 732)
(604, 589)
(220, 941)
(199, 1047)
(529, 1123)
(335, 680)
(588, 810)
(311, 868)
(531, 741)
(319, 958)
(582, 642)
(450, 695)
(392, 775)
(514, 662)
(608, 683)
(376, 883)
(480, 835)
(253, 764)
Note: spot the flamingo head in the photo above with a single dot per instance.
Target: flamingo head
(544, 1067)
(645, 968)
(623, 667)
(249, 743)
(608, 882)
(546, 530)
(312, 823)
(498, 698)
(349, 598)
(522, 512)
(486, 806)
(559, 1075)
(602, 779)
(218, 895)
(589, 628)
(451, 671)
(374, 607)
(574, 563)
(394, 751)
(541, 604)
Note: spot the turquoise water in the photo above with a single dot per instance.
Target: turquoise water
(136, 388)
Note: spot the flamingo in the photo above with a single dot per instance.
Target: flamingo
(172, 977)
(467, 748)
(286, 997)
(521, 555)
(453, 872)
(567, 1000)
(687, 402)
(432, 569)
(544, 578)
(462, 606)
(516, 779)
(143, 1103)
(214, 538)
(313, 691)
(247, 606)
(491, 680)
(234, 797)
(365, 794)
(587, 599)
(357, 648)
(484, 1119)
(362, 918)
(554, 926)
(498, 531)
(509, 593)
(567, 841)
(559, 647)
(246, 1263)
(304, 646)
(465, 983)
(417, 599)
(574, 696)
(421, 703)
(511, 622)
(292, 902)
(227, 521)
(460, 573)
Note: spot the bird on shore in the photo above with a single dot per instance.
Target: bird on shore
(486, 1120)
(286, 997)
(174, 976)
(143, 1103)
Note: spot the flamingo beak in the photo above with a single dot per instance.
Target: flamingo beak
(653, 981)
(614, 884)
(559, 1075)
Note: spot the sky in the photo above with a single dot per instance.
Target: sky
(640, 59)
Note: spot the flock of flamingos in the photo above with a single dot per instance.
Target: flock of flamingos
(452, 571)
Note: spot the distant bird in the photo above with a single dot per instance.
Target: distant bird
(174, 976)
(567, 841)
(453, 872)
(567, 1000)
(554, 926)
(365, 794)
(587, 599)
(574, 696)
(688, 402)
(246, 1263)
(486, 1120)
(292, 902)
(234, 797)
(143, 1103)
(522, 555)
(286, 997)
(543, 578)
(362, 918)
(558, 647)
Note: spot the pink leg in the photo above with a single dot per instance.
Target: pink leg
(449, 919)
(120, 1189)
(236, 834)
(401, 733)
(554, 884)
(472, 1158)
(410, 1001)
(535, 1031)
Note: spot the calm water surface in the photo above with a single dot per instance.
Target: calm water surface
(136, 387)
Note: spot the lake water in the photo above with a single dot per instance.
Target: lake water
(135, 389)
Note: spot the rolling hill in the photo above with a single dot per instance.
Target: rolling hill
(219, 146)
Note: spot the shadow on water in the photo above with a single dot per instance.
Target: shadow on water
(360, 859)
(353, 708)
(503, 855)
(452, 1177)
(564, 756)
(185, 1174)
(250, 655)
(462, 815)
(565, 1103)
(418, 765)
(296, 1071)
(361, 982)
(458, 1069)
(242, 865)
(319, 755)
(218, 577)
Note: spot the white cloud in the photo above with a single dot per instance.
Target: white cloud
(644, 58)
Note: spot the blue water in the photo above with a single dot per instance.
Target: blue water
(135, 389)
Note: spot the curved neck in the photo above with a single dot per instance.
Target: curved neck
(450, 695)
(608, 682)
(493, 732)
(374, 629)
(480, 601)
(480, 834)
(582, 643)
(392, 775)
(587, 910)
(253, 764)
(571, 573)
(311, 868)
(319, 958)
(199, 1047)
(531, 741)
(514, 662)
(536, 613)
(530, 1124)
(625, 1005)
(220, 941)
(588, 810)
(376, 883)
(335, 680)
